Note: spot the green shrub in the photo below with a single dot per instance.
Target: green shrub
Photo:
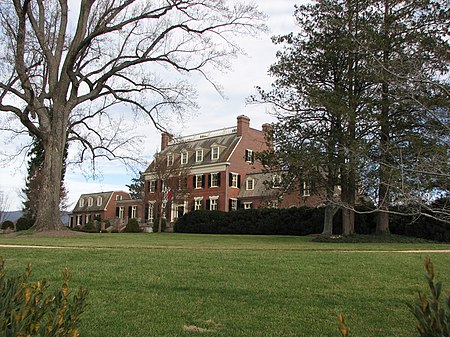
(24, 223)
(7, 224)
(91, 227)
(26, 309)
(156, 225)
(132, 226)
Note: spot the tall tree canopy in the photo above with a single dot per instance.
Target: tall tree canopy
(361, 97)
(61, 69)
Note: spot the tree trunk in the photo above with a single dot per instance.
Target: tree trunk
(330, 210)
(48, 213)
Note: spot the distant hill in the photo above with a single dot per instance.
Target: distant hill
(14, 215)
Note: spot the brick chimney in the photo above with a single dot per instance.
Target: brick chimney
(243, 124)
(165, 139)
(267, 129)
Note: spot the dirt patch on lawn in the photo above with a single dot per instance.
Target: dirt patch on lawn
(44, 234)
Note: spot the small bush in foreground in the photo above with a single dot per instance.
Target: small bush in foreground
(26, 309)
(132, 226)
(7, 224)
(156, 225)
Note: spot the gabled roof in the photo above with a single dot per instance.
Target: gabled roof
(261, 186)
(106, 196)
(226, 142)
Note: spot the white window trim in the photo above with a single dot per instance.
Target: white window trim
(99, 201)
(217, 179)
(133, 212)
(213, 202)
(252, 181)
(306, 189)
(217, 155)
(81, 202)
(234, 182)
(90, 202)
(197, 180)
(234, 201)
(170, 159)
(250, 153)
(151, 211)
(198, 155)
(184, 158)
(198, 203)
(248, 205)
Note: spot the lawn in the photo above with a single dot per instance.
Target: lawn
(190, 285)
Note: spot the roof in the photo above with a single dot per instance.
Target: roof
(226, 143)
(105, 197)
(260, 186)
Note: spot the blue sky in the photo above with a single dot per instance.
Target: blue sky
(214, 112)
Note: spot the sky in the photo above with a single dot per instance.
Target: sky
(215, 112)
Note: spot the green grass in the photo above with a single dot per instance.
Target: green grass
(163, 284)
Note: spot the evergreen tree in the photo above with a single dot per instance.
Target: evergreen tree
(136, 187)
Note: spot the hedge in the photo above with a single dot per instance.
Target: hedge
(303, 221)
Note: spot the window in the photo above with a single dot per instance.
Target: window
(90, 201)
(170, 159)
(87, 218)
(121, 212)
(215, 153)
(214, 180)
(151, 211)
(198, 203)
(119, 197)
(213, 204)
(249, 156)
(198, 181)
(184, 158)
(152, 186)
(273, 204)
(250, 184)
(276, 181)
(199, 155)
(81, 202)
(234, 180)
(78, 220)
(133, 212)
(247, 205)
(306, 189)
(233, 204)
(99, 201)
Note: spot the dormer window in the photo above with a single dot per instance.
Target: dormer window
(81, 202)
(99, 201)
(215, 153)
(250, 184)
(276, 181)
(90, 201)
(199, 155)
(170, 159)
(184, 158)
(118, 197)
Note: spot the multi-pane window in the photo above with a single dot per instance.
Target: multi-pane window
(213, 204)
(234, 181)
(250, 184)
(214, 180)
(99, 201)
(249, 157)
(121, 212)
(170, 159)
(306, 189)
(215, 153)
(199, 155)
(81, 203)
(152, 186)
(151, 212)
(233, 204)
(133, 212)
(198, 181)
(118, 197)
(276, 181)
(198, 204)
(79, 220)
(247, 205)
(184, 158)
(90, 201)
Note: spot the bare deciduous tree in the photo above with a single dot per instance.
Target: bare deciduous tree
(4, 205)
(62, 68)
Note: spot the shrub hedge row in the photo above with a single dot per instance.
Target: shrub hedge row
(303, 221)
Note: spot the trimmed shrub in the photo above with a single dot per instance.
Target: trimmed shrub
(27, 309)
(7, 224)
(156, 225)
(23, 224)
(132, 226)
(91, 227)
